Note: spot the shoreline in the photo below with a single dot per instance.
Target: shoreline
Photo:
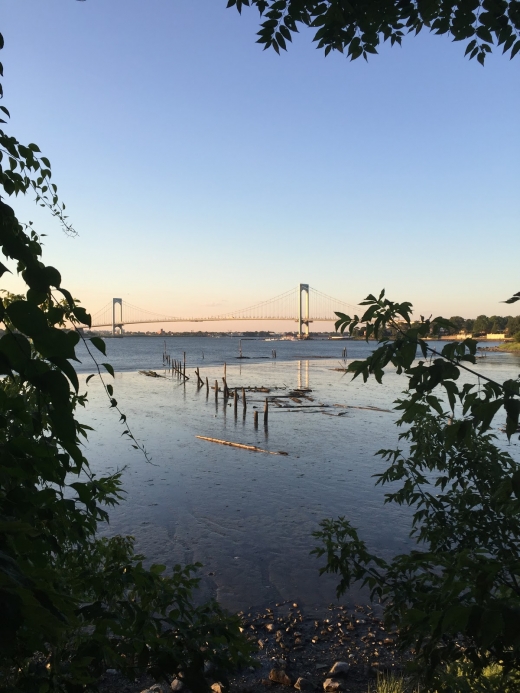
(293, 644)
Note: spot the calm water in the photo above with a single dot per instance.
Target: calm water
(249, 517)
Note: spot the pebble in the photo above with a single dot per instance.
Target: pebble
(218, 687)
(339, 669)
(304, 684)
(280, 676)
(333, 685)
(177, 685)
(111, 672)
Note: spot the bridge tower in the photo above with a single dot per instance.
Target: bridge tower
(303, 312)
(117, 324)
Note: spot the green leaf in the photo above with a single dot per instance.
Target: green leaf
(99, 344)
(27, 318)
(108, 368)
(17, 350)
(57, 343)
(68, 369)
(512, 407)
(82, 316)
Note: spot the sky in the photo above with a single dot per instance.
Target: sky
(204, 174)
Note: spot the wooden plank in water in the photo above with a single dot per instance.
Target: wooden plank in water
(253, 448)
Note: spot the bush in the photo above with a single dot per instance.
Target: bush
(456, 595)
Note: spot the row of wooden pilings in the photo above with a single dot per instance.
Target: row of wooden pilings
(179, 368)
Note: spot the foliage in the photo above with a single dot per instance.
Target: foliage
(389, 684)
(513, 325)
(457, 593)
(461, 677)
(72, 604)
(358, 28)
(514, 298)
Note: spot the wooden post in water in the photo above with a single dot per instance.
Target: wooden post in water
(235, 401)
(266, 411)
(244, 397)
(226, 389)
(225, 374)
(216, 390)
(255, 419)
(207, 385)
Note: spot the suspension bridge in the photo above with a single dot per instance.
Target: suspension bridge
(303, 305)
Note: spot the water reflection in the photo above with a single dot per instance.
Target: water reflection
(305, 372)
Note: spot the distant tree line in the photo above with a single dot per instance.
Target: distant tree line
(485, 325)
(496, 324)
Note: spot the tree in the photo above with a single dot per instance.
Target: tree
(456, 596)
(458, 324)
(358, 28)
(513, 325)
(482, 325)
(498, 323)
(81, 604)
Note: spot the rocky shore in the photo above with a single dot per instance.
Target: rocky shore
(342, 650)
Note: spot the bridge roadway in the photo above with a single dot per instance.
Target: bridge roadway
(210, 319)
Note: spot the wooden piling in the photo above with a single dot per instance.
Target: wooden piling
(266, 411)
(207, 385)
(235, 401)
(216, 389)
(255, 419)
(244, 397)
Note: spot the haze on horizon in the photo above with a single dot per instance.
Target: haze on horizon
(205, 175)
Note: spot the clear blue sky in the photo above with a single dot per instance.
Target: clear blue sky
(204, 174)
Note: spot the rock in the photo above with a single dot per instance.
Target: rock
(333, 685)
(280, 676)
(218, 687)
(177, 685)
(156, 688)
(304, 684)
(339, 669)
(270, 627)
(209, 667)
(322, 666)
(279, 663)
(111, 672)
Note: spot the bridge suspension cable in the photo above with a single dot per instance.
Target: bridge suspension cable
(281, 307)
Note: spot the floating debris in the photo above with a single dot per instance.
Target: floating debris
(151, 374)
(253, 448)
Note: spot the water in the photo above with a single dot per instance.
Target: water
(135, 353)
(249, 517)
